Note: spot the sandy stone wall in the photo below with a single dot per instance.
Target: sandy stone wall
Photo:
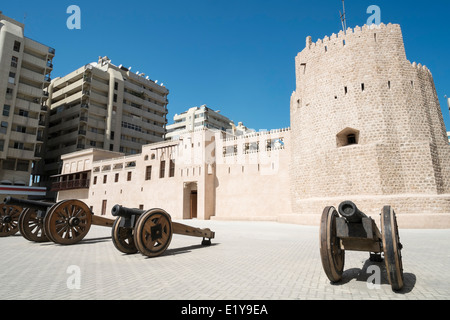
(361, 83)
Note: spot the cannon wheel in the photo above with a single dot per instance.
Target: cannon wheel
(153, 232)
(9, 220)
(68, 222)
(392, 248)
(333, 257)
(123, 238)
(31, 226)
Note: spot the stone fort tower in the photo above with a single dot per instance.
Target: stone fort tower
(367, 126)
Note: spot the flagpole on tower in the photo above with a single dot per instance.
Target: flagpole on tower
(343, 17)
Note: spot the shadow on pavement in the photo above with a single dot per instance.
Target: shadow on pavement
(366, 274)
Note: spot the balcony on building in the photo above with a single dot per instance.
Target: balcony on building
(71, 181)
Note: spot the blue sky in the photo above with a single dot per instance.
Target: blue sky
(234, 56)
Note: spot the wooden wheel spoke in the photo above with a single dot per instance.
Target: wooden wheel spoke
(150, 244)
(77, 212)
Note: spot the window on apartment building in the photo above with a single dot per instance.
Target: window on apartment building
(115, 97)
(18, 145)
(9, 93)
(95, 181)
(6, 109)
(116, 177)
(14, 62)
(9, 164)
(172, 169)
(21, 129)
(105, 179)
(23, 113)
(17, 45)
(148, 173)
(129, 175)
(12, 78)
(4, 127)
(162, 169)
(22, 165)
(116, 85)
(2, 145)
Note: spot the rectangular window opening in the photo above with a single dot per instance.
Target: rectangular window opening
(162, 169)
(16, 46)
(172, 169)
(148, 173)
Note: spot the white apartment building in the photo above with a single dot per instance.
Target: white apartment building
(202, 117)
(103, 106)
(25, 68)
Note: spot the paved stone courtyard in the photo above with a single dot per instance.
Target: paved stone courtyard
(247, 261)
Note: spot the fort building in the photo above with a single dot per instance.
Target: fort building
(204, 174)
(366, 126)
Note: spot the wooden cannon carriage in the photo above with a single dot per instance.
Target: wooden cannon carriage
(354, 231)
(66, 222)
(9, 220)
(149, 232)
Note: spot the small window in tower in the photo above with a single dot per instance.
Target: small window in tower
(363, 87)
(347, 137)
(303, 65)
(344, 43)
(345, 90)
(389, 84)
(326, 48)
(351, 139)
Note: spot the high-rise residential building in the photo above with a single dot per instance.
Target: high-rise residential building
(103, 106)
(25, 68)
(202, 117)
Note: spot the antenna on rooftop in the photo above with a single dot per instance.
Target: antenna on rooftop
(343, 17)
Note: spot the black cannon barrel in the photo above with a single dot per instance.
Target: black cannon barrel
(349, 211)
(37, 205)
(119, 211)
